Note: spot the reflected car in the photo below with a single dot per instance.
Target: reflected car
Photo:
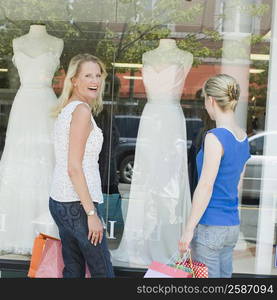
(254, 167)
(128, 129)
(252, 182)
(125, 151)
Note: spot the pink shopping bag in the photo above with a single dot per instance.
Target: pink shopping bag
(159, 270)
(51, 263)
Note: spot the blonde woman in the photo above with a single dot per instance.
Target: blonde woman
(213, 226)
(76, 185)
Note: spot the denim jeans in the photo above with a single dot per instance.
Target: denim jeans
(213, 246)
(77, 250)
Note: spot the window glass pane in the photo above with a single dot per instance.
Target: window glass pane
(158, 54)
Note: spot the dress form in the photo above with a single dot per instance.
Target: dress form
(166, 54)
(159, 200)
(27, 162)
(37, 42)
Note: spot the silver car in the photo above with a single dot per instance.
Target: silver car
(254, 178)
(254, 168)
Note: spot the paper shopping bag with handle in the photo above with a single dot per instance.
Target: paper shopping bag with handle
(200, 270)
(46, 260)
(160, 270)
(169, 270)
(38, 247)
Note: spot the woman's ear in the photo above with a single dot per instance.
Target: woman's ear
(211, 100)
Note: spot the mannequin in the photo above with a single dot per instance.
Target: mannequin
(37, 42)
(27, 161)
(167, 53)
(159, 199)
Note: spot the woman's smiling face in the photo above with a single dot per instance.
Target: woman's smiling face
(87, 82)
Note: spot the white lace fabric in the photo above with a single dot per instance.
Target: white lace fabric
(62, 188)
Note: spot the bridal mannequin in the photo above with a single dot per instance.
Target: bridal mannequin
(37, 42)
(27, 161)
(159, 199)
(167, 53)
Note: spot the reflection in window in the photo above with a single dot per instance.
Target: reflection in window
(257, 146)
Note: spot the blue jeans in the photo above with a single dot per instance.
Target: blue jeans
(77, 250)
(213, 246)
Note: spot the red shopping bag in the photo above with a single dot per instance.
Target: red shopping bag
(46, 260)
(200, 270)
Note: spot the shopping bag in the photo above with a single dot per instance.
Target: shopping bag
(170, 269)
(160, 270)
(51, 264)
(38, 246)
(46, 260)
(200, 270)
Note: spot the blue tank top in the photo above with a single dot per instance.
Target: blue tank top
(222, 209)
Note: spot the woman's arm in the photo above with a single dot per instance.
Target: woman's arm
(201, 197)
(80, 129)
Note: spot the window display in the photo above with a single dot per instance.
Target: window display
(153, 115)
(27, 161)
(159, 198)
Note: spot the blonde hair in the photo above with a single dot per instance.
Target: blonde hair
(73, 69)
(224, 89)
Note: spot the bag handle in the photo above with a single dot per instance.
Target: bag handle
(186, 256)
(174, 258)
(190, 262)
(45, 236)
(177, 258)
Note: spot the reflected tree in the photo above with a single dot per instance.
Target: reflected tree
(115, 29)
(120, 30)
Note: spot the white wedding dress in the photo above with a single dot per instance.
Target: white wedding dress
(159, 200)
(27, 161)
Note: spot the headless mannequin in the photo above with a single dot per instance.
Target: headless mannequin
(166, 54)
(37, 42)
(159, 199)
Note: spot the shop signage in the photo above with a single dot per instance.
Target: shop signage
(110, 232)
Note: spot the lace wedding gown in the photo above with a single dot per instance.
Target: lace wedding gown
(159, 200)
(27, 161)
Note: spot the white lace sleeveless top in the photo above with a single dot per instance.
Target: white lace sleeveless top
(62, 188)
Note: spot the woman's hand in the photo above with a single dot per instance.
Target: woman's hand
(95, 229)
(185, 241)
